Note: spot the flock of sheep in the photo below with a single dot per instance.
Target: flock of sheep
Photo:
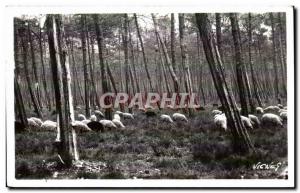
(271, 115)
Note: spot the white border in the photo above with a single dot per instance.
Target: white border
(11, 11)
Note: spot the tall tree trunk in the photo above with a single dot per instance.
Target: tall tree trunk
(240, 67)
(254, 81)
(143, 52)
(47, 94)
(61, 80)
(85, 68)
(173, 39)
(19, 103)
(241, 141)
(167, 58)
(99, 36)
(126, 56)
(282, 54)
(28, 80)
(274, 50)
(34, 68)
(184, 59)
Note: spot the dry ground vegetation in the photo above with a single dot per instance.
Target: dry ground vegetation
(150, 149)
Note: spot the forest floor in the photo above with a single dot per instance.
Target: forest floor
(150, 149)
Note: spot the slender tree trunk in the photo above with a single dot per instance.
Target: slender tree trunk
(274, 50)
(184, 59)
(254, 81)
(34, 68)
(19, 103)
(28, 80)
(240, 68)
(167, 58)
(85, 68)
(99, 35)
(173, 39)
(282, 54)
(59, 66)
(143, 52)
(241, 141)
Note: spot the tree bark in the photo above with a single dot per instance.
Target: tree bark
(99, 36)
(60, 80)
(241, 141)
(274, 50)
(143, 52)
(173, 39)
(28, 80)
(240, 68)
(85, 68)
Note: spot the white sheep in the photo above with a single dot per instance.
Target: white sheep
(37, 120)
(246, 122)
(32, 124)
(99, 113)
(259, 110)
(216, 112)
(93, 118)
(271, 119)
(271, 108)
(108, 123)
(127, 116)
(81, 117)
(220, 121)
(166, 118)
(254, 120)
(49, 125)
(117, 117)
(119, 112)
(179, 117)
(118, 123)
(283, 115)
(79, 126)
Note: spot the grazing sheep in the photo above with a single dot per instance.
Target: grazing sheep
(119, 112)
(49, 125)
(179, 117)
(216, 112)
(93, 118)
(246, 122)
(166, 118)
(220, 121)
(79, 126)
(86, 121)
(81, 117)
(271, 108)
(127, 116)
(254, 120)
(259, 110)
(99, 114)
(32, 123)
(117, 116)
(283, 115)
(108, 123)
(118, 123)
(37, 120)
(95, 126)
(271, 119)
